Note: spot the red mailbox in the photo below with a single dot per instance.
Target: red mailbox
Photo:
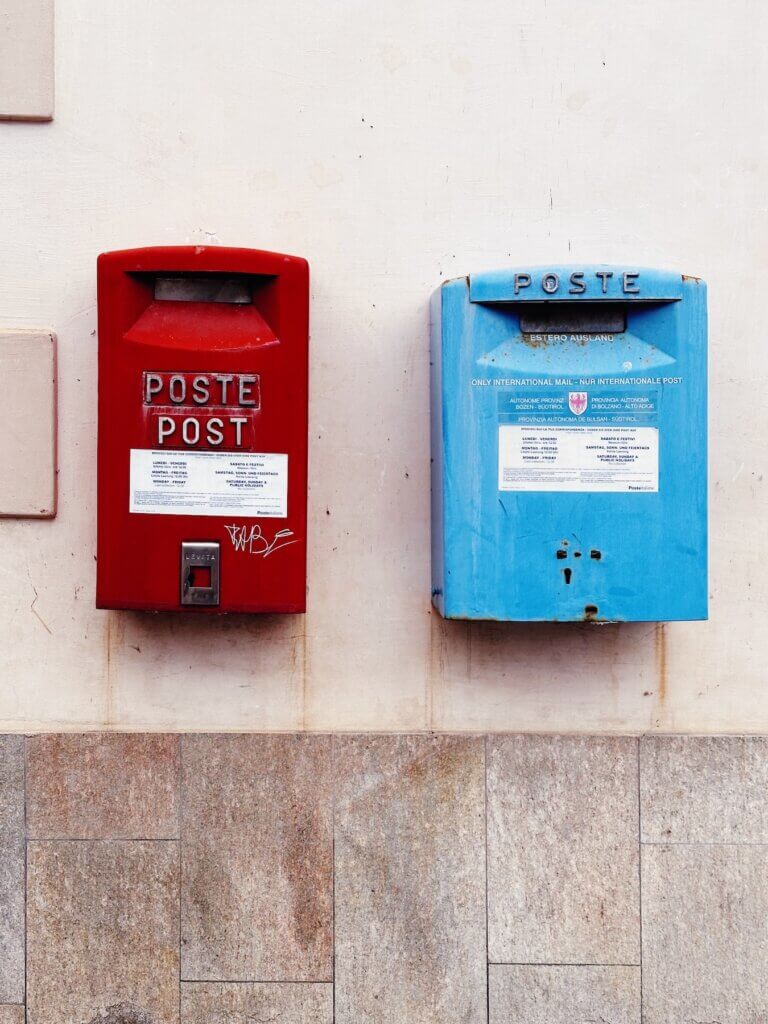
(202, 464)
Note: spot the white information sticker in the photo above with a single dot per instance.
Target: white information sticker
(206, 483)
(558, 458)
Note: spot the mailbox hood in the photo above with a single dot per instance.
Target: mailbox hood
(577, 283)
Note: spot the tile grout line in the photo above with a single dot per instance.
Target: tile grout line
(560, 963)
(698, 842)
(487, 925)
(101, 839)
(640, 870)
(253, 981)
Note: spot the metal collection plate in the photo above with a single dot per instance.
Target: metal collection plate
(198, 557)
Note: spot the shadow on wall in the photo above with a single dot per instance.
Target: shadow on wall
(168, 644)
(504, 656)
(199, 631)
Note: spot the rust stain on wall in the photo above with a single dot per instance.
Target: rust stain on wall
(435, 665)
(661, 660)
(304, 672)
(298, 668)
(108, 694)
(114, 638)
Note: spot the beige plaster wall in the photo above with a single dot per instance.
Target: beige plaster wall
(392, 145)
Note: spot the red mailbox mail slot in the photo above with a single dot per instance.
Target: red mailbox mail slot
(202, 464)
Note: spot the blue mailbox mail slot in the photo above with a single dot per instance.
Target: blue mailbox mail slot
(569, 445)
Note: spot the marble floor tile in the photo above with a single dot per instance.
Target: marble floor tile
(12, 784)
(705, 934)
(257, 858)
(11, 1014)
(251, 1003)
(410, 880)
(103, 931)
(103, 786)
(528, 994)
(704, 789)
(563, 885)
(11, 869)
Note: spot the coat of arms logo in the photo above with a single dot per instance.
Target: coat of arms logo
(577, 402)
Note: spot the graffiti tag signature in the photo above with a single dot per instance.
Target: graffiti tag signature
(251, 539)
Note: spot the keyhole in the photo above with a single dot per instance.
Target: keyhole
(567, 573)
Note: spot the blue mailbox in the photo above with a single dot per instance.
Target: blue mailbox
(569, 445)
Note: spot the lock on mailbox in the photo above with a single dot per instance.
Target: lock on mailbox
(202, 449)
(569, 445)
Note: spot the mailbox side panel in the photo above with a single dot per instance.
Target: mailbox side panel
(437, 449)
(470, 545)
